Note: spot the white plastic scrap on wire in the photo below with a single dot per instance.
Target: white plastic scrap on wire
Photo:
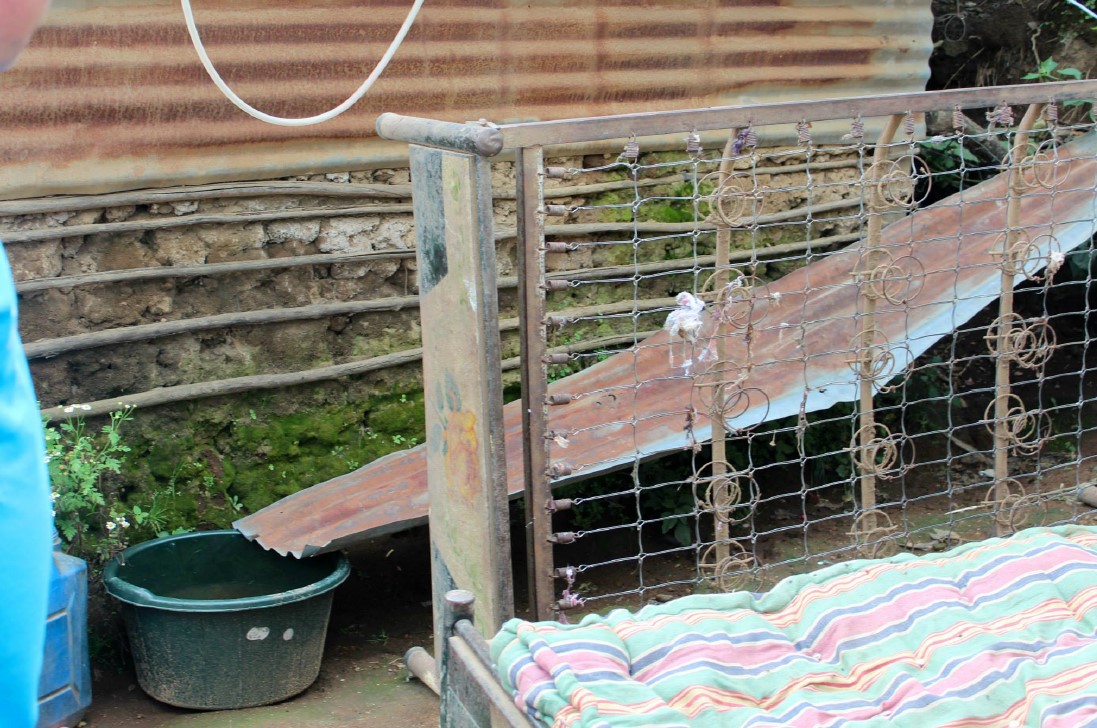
(568, 598)
(685, 323)
(1055, 261)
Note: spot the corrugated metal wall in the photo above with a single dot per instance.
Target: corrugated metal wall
(111, 95)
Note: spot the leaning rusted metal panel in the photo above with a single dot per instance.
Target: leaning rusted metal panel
(111, 95)
(391, 493)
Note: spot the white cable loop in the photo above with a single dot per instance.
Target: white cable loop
(308, 120)
(1083, 8)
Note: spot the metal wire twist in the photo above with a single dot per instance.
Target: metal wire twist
(1000, 116)
(875, 360)
(738, 302)
(1026, 256)
(732, 402)
(880, 456)
(1041, 168)
(721, 493)
(734, 201)
(729, 573)
(693, 144)
(717, 382)
(1013, 507)
(896, 280)
(959, 121)
(632, 150)
(1051, 114)
(857, 129)
(953, 27)
(745, 139)
(1029, 344)
(874, 540)
(1026, 431)
(897, 187)
(909, 124)
(803, 132)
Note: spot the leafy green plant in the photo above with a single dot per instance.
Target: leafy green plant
(91, 519)
(349, 462)
(676, 509)
(1050, 70)
(1092, 5)
(951, 164)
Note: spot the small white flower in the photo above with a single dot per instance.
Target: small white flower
(111, 525)
(68, 410)
(85, 407)
(54, 497)
(123, 522)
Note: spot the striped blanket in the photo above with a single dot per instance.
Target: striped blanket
(997, 633)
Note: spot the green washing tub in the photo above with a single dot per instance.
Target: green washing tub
(216, 622)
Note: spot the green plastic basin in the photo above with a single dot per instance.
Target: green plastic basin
(217, 622)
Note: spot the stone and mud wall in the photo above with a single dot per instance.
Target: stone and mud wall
(267, 332)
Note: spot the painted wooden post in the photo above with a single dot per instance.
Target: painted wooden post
(466, 465)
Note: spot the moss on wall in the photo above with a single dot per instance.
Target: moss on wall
(205, 464)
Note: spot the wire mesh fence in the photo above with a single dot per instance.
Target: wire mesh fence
(767, 358)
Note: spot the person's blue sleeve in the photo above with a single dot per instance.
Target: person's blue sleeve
(25, 524)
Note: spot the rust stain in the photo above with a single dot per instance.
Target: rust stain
(642, 412)
(461, 457)
(112, 96)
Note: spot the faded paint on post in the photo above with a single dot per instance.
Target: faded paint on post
(466, 467)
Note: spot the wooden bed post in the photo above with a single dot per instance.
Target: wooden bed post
(462, 705)
(466, 465)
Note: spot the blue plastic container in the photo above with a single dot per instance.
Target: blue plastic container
(64, 690)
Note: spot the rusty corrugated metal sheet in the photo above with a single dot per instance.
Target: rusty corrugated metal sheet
(642, 409)
(111, 95)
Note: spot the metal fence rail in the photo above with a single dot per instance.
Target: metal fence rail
(923, 386)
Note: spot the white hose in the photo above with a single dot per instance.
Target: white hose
(308, 120)
(1082, 7)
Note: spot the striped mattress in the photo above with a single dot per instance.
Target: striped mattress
(997, 633)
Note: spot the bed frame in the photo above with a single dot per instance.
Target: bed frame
(472, 696)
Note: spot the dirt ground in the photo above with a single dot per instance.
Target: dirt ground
(359, 689)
